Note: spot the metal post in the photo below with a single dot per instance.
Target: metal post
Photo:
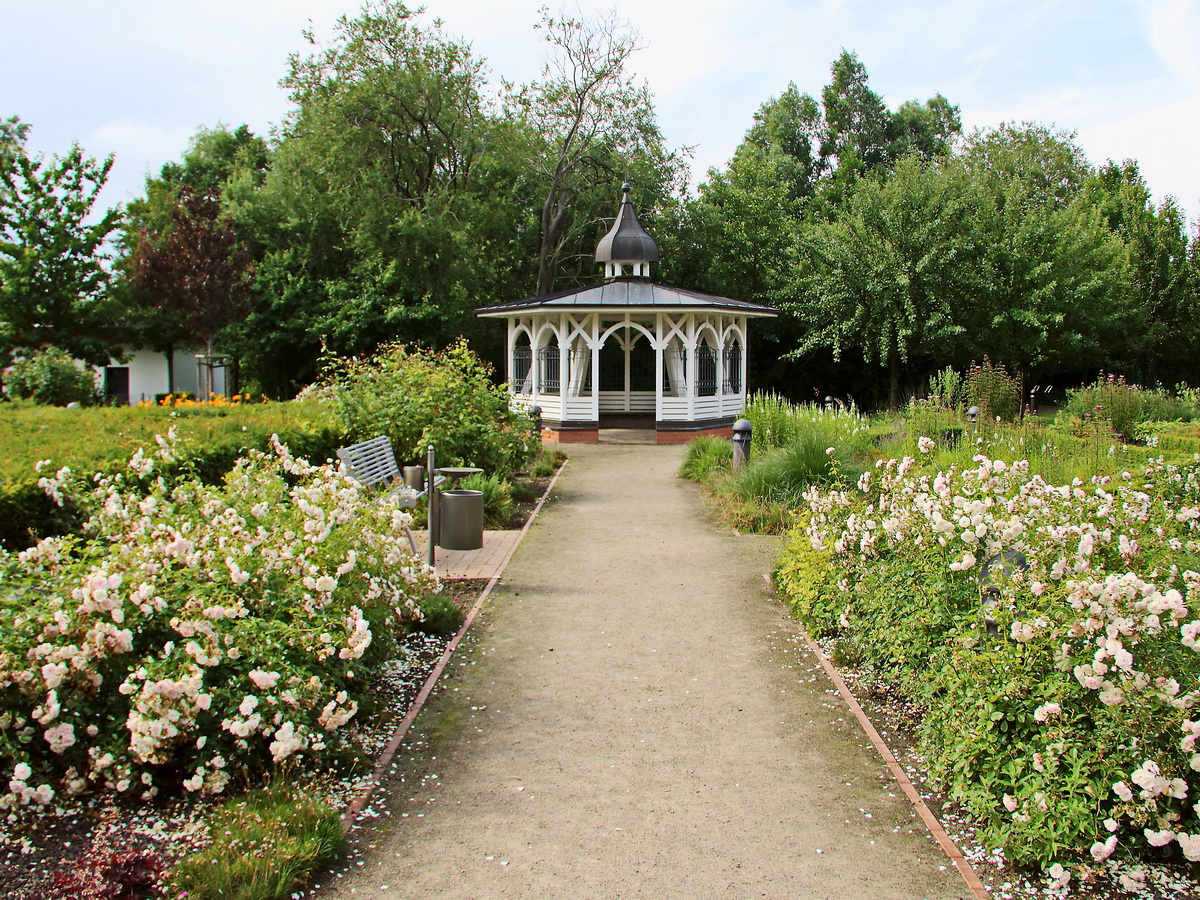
(431, 499)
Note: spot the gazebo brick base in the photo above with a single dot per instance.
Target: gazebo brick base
(571, 432)
(681, 433)
(682, 437)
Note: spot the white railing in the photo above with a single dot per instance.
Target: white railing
(631, 401)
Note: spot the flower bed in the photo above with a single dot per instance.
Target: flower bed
(1069, 731)
(194, 632)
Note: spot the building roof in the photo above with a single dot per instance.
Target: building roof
(625, 294)
(627, 240)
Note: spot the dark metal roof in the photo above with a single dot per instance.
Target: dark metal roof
(627, 240)
(620, 294)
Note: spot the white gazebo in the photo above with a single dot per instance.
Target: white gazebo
(627, 352)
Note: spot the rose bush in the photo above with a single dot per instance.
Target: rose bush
(195, 631)
(1070, 726)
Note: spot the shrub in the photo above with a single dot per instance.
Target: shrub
(51, 377)
(777, 423)
(1073, 730)
(497, 498)
(196, 631)
(946, 388)
(440, 615)
(100, 440)
(446, 398)
(990, 387)
(783, 475)
(1109, 399)
(546, 462)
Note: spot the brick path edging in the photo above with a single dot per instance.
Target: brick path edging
(936, 831)
(385, 759)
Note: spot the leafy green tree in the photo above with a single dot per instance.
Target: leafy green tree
(1049, 163)
(1055, 286)
(1166, 290)
(367, 227)
(858, 125)
(51, 377)
(885, 278)
(788, 130)
(52, 273)
(219, 161)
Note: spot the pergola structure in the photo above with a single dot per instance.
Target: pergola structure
(628, 352)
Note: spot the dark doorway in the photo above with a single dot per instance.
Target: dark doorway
(116, 385)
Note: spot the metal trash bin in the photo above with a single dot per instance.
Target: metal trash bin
(461, 521)
(414, 477)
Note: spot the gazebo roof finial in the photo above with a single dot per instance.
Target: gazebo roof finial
(627, 243)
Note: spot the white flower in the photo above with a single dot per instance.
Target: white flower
(965, 563)
(1102, 851)
(1159, 838)
(263, 680)
(1045, 711)
(60, 737)
(925, 445)
(1190, 844)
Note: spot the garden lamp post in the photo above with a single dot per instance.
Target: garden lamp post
(973, 414)
(996, 570)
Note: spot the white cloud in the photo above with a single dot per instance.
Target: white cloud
(1173, 28)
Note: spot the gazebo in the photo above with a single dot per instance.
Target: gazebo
(629, 353)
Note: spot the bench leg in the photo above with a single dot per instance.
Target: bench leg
(412, 541)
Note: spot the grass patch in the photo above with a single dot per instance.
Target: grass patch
(264, 846)
(440, 615)
(705, 457)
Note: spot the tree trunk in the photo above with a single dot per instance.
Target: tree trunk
(894, 380)
(169, 353)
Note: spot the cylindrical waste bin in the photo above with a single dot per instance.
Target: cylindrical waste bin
(414, 477)
(461, 525)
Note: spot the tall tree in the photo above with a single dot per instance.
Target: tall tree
(52, 272)
(196, 275)
(592, 123)
(885, 278)
(1165, 284)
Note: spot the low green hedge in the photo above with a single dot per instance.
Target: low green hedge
(101, 440)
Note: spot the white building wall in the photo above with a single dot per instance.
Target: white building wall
(148, 373)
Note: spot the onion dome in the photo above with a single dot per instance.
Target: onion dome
(627, 249)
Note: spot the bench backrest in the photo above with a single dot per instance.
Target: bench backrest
(371, 462)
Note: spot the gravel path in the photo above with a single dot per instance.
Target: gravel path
(632, 716)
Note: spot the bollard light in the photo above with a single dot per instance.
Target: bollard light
(996, 570)
(742, 435)
(972, 414)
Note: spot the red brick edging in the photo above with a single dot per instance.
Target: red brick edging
(910, 791)
(385, 759)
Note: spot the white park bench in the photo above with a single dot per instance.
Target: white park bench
(373, 463)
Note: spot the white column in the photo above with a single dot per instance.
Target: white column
(658, 366)
(690, 373)
(595, 346)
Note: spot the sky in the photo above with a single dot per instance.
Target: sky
(136, 78)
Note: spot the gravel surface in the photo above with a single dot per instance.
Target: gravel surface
(632, 718)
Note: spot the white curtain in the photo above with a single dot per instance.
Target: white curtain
(675, 368)
(581, 361)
